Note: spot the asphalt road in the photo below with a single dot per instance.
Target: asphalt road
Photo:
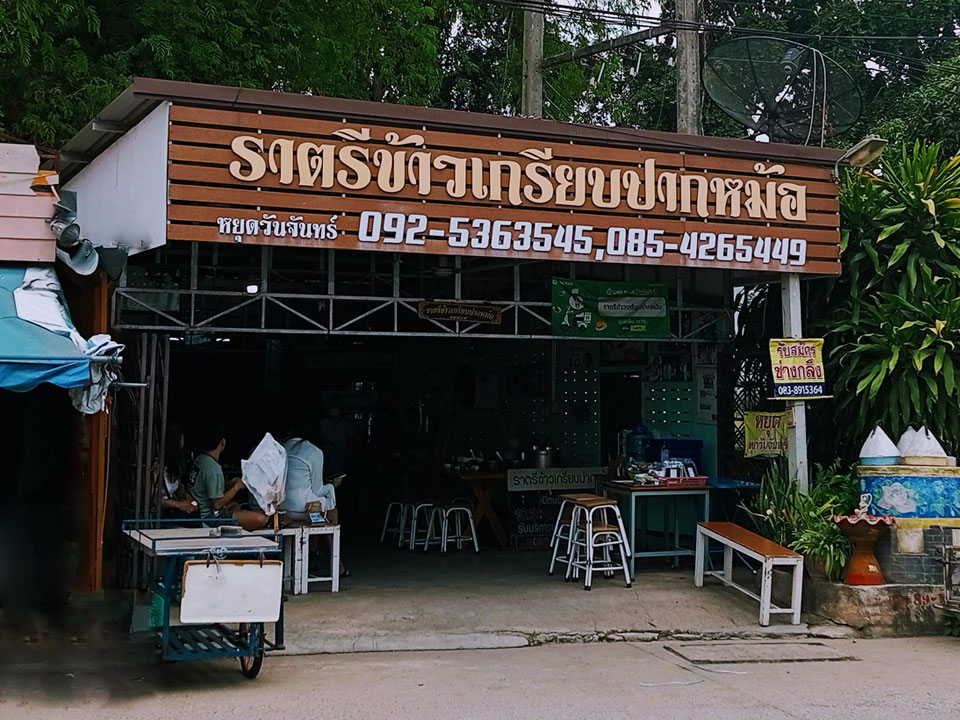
(901, 678)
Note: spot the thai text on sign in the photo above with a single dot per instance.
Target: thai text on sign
(448, 187)
(797, 366)
(765, 433)
(527, 178)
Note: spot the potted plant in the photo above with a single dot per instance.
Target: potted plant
(780, 512)
(825, 549)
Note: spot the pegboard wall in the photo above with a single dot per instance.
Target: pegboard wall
(670, 407)
(536, 392)
(577, 387)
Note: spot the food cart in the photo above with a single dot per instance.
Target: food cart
(226, 587)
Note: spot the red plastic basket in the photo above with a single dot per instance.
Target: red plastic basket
(695, 481)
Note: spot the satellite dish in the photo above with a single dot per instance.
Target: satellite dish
(787, 91)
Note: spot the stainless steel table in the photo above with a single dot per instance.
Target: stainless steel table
(635, 493)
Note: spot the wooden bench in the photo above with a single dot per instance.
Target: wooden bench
(768, 553)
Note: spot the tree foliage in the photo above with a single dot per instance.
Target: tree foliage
(60, 62)
(894, 326)
(931, 111)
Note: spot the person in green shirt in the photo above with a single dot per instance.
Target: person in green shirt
(209, 487)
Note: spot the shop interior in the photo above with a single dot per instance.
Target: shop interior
(407, 413)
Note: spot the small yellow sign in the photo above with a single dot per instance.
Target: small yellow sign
(797, 366)
(765, 433)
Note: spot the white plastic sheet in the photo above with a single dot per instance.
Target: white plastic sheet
(265, 472)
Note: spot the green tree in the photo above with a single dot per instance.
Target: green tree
(61, 62)
(893, 319)
(931, 112)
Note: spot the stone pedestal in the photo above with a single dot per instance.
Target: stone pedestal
(877, 610)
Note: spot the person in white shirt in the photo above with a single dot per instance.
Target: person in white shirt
(305, 480)
(305, 484)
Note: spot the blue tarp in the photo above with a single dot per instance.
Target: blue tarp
(31, 354)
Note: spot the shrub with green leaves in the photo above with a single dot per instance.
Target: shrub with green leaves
(894, 325)
(780, 512)
(895, 361)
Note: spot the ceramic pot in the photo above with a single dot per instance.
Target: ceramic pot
(816, 567)
(863, 568)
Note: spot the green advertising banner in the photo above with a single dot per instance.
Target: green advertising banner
(590, 308)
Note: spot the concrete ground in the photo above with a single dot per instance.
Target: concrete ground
(884, 679)
(398, 600)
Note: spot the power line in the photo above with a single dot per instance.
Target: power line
(620, 18)
(821, 11)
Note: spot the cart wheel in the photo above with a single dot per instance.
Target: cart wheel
(250, 664)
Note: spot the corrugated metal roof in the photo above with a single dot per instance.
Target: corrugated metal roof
(144, 94)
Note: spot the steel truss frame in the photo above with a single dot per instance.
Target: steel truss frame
(339, 313)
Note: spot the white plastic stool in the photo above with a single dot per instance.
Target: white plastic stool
(292, 558)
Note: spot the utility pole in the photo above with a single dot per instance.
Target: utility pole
(688, 69)
(797, 464)
(532, 101)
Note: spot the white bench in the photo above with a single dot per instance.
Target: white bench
(768, 553)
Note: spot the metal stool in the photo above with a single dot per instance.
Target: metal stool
(396, 529)
(561, 528)
(442, 516)
(413, 531)
(590, 532)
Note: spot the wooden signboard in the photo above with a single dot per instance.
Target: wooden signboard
(459, 311)
(242, 176)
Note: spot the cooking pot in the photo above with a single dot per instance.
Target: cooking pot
(546, 457)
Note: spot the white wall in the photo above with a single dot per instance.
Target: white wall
(122, 194)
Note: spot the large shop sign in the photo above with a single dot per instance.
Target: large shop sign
(248, 177)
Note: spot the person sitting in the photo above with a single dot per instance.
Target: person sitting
(214, 500)
(175, 502)
(305, 485)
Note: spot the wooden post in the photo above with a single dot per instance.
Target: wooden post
(688, 70)
(797, 409)
(532, 100)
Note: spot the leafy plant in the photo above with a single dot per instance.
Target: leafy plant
(902, 223)
(951, 625)
(895, 361)
(832, 484)
(894, 318)
(774, 510)
(780, 512)
(823, 540)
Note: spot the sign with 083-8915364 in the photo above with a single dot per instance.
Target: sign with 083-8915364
(797, 365)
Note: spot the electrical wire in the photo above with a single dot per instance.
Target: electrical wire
(621, 18)
(912, 67)
(819, 11)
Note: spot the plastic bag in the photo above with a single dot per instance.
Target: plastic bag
(265, 473)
